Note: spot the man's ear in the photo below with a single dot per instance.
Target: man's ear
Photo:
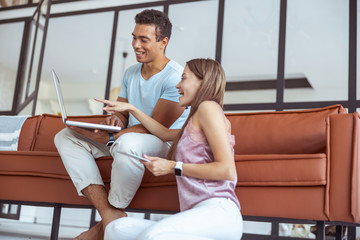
(164, 42)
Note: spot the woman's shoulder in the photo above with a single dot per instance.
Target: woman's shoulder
(211, 110)
(208, 110)
(208, 105)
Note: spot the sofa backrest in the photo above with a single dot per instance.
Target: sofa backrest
(282, 132)
(45, 130)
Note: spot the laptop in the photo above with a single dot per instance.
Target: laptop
(108, 128)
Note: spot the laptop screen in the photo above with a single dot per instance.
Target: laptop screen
(59, 96)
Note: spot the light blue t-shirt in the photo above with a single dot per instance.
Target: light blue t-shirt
(144, 94)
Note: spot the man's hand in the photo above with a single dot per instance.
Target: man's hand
(114, 120)
(96, 135)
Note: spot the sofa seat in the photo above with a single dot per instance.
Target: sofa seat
(34, 170)
(29, 173)
(281, 169)
(47, 165)
(32, 163)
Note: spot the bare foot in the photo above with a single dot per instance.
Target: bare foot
(112, 215)
(94, 233)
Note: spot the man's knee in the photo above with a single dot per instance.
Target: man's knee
(128, 142)
(60, 137)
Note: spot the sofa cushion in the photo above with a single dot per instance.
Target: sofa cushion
(252, 170)
(28, 133)
(281, 169)
(283, 132)
(50, 125)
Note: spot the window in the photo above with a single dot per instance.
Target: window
(78, 49)
(317, 48)
(250, 47)
(194, 31)
(10, 45)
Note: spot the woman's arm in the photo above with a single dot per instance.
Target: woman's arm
(210, 119)
(156, 128)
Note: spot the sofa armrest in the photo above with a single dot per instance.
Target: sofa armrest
(343, 172)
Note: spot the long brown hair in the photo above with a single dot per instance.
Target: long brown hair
(212, 88)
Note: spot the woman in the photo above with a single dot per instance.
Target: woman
(201, 157)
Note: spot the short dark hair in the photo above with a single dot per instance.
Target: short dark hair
(161, 21)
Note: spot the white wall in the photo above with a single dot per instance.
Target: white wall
(78, 98)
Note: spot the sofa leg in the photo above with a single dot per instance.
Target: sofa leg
(339, 232)
(55, 222)
(275, 230)
(351, 233)
(320, 230)
(147, 215)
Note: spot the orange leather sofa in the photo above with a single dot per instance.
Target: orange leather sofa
(291, 164)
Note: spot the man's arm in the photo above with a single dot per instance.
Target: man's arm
(165, 112)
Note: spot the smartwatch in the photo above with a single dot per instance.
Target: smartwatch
(111, 140)
(178, 168)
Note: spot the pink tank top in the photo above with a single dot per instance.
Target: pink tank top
(194, 148)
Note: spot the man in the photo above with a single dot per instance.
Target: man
(150, 86)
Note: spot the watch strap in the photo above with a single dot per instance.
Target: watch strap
(111, 140)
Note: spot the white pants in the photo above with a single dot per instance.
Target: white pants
(215, 218)
(78, 155)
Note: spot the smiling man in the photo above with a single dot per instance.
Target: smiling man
(148, 85)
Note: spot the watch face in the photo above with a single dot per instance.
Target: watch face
(178, 172)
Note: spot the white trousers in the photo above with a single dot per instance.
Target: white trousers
(78, 155)
(215, 218)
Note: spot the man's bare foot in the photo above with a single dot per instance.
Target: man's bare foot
(112, 215)
(97, 231)
(94, 233)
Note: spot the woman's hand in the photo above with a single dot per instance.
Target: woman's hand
(159, 166)
(115, 106)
